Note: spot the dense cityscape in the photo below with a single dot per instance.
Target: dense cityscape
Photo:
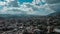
(30, 25)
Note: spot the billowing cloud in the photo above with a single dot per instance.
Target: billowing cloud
(52, 1)
(2, 3)
(36, 1)
(27, 8)
(9, 0)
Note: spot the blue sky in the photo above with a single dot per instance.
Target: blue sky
(21, 1)
(1, 0)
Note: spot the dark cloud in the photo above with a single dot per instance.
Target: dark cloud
(1, 0)
(54, 4)
(14, 3)
(52, 1)
(55, 7)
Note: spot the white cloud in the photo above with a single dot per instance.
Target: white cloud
(43, 0)
(9, 0)
(2, 3)
(32, 9)
(36, 1)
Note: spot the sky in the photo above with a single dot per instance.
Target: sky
(21, 1)
(40, 8)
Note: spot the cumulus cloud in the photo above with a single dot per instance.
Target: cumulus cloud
(28, 8)
(55, 6)
(9, 0)
(36, 1)
(2, 3)
(52, 1)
